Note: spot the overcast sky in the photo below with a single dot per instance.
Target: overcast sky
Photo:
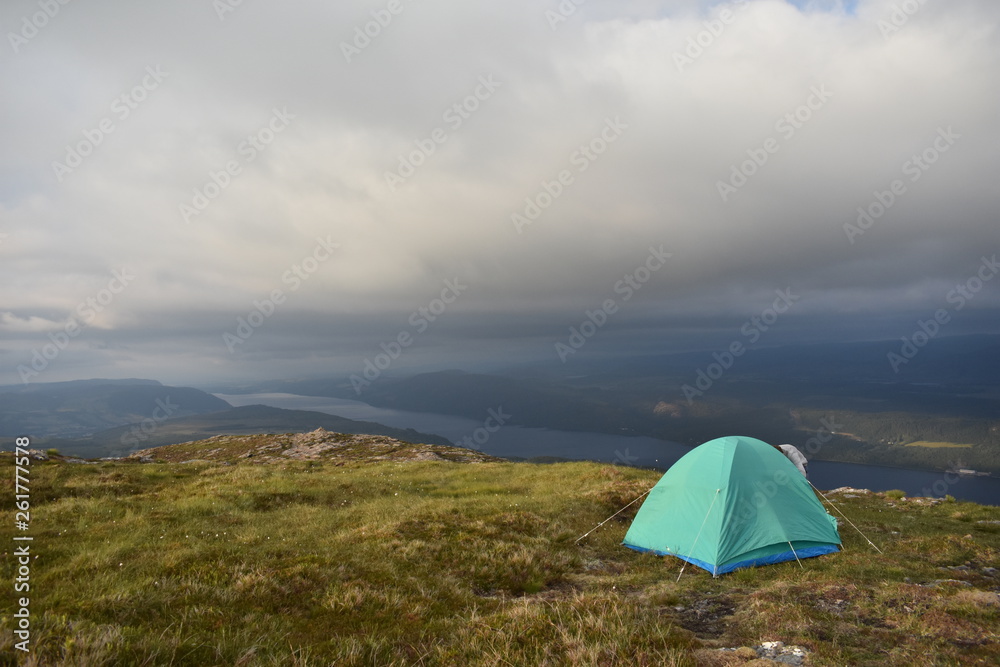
(201, 152)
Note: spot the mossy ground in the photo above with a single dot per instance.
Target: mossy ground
(439, 563)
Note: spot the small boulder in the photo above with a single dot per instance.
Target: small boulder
(779, 652)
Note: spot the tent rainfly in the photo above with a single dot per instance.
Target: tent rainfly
(731, 503)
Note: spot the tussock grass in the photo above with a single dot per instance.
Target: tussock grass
(438, 563)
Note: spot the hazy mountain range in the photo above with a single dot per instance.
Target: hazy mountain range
(942, 413)
(847, 395)
(97, 418)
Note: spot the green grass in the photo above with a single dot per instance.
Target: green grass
(938, 445)
(438, 563)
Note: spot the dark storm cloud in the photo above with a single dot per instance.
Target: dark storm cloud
(743, 143)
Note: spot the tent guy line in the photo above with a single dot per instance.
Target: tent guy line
(614, 515)
(845, 517)
(714, 572)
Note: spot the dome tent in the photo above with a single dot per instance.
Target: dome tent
(731, 503)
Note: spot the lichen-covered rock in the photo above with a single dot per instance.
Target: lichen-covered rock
(318, 445)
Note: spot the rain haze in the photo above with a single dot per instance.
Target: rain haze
(198, 191)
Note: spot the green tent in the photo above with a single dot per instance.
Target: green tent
(730, 503)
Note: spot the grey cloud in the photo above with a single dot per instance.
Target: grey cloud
(325, 174)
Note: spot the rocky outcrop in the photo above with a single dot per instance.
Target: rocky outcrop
(318, 445)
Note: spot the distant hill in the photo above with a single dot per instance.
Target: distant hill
(952, 361)
(98, 418)
(234, 421)
(530, 402)
(81, 408)
(949, 393)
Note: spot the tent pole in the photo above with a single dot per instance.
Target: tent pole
(691, 550)
(845, 517)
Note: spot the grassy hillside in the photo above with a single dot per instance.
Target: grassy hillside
(888, 438)
(322, 550)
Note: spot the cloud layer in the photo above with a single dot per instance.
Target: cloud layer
(531, 152)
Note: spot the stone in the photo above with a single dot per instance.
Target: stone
(779, 652)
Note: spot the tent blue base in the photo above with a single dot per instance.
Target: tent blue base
(807, 552)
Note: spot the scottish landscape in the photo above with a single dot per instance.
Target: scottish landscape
(321, 548)
(571, 332)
